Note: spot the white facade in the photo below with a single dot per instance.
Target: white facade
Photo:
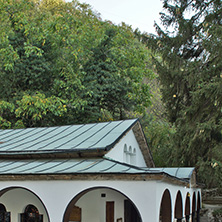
(52, 198)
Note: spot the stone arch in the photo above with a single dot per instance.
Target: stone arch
(166, 207)
(178, 210)
(83, 201)
(17, 198)
(187, 207)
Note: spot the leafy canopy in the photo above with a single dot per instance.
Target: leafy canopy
(60, 64)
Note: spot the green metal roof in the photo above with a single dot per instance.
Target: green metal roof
(69, 139)
(83, 166)
(74, 138)
(64, 166)
(178, 172)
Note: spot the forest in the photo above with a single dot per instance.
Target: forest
(61, 64)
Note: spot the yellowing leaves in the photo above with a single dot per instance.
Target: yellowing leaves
(51, 4)
(36, 107)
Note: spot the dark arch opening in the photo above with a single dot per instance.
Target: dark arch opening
(178, 207)
(198, 207)
(131, 213)
(187, 208)
(165, 207)
(198, 201)
(2, 208)
(31, 209)
(4, 215)
(194, 207)
(31, 214)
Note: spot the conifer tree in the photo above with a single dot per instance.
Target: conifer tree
(108, 89)
(190, 72)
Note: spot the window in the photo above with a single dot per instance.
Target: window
(125, 153)
(4, 215)
(133, 157)
(31, 214)
(130, 150)
(129, 155)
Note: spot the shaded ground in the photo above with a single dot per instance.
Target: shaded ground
(206, 212)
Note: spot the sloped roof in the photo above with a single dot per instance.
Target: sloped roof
(79, 165)
(79, 168)
(22, 153)
(64, 166)
(95, 137)
(178, 172)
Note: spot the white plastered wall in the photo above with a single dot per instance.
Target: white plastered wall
(117, 152)
(56, 195)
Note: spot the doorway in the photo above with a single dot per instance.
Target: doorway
(110, 211)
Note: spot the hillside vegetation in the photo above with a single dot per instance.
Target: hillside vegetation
(60, 64)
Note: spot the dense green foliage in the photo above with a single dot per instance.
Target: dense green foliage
(190, 74)
(60, 64)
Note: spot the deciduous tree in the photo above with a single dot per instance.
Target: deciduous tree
(60, 64)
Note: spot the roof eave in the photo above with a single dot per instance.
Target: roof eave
(97, 152)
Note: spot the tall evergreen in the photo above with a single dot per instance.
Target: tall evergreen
(190, 73)
(108, 90)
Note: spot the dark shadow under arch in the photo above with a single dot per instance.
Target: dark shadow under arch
(178, 211)
(31, 213)
(165, 207)
(82, 193)
(187, 207)
(2, 208)
(194, 207)
(198, 200)
(5, 190)
(198, 207)
(4, 215)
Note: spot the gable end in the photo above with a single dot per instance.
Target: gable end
(140, 137)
